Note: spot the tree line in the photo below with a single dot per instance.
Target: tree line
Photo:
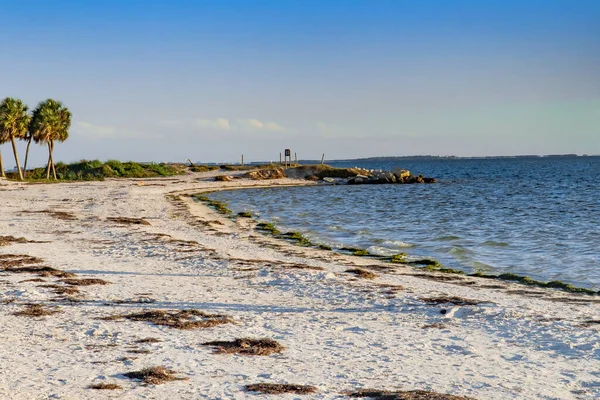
(48, 123)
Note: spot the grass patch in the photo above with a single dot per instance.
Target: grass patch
(247, 346)
(154, 375)
(182, 319)
(404, 395)
(128, 220)
(85, 282)
(204, 168)
(280, 388)
(361, 273)
(105, 386)
(37, 310)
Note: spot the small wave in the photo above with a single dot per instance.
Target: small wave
(396, 244)
(446, 238)
(334, 228)
(492, 243)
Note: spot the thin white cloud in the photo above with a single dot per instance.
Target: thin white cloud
(98, 131)
(93, 131)
(326, 129)
(255, 125)
(219, 123)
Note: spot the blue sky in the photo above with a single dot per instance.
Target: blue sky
(210, 80)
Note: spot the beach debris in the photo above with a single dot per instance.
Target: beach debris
(404, 395)
(105, 386)
(457, 301)
(85, 282)
(244, 214)
(247, 346)
(280, 388)
(182, 319)
(223, 178)
(154, 375)
(128, 220)
(362, 273)
(263, 174)
(37, 310)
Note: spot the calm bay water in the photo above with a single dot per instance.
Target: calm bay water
(538, 217)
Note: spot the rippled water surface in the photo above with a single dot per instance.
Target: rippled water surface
(537, 216)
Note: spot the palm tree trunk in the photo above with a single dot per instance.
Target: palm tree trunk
(14, 146)
(2, 174)
(26, 156)
(51, 159)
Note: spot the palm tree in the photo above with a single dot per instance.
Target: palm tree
(2, 174)
(14, 124)
(50, 122)
(29, 138)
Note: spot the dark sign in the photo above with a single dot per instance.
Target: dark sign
(288, 153)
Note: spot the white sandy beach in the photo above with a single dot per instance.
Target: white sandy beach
(341, 333)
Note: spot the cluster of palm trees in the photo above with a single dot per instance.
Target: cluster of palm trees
(48, 123)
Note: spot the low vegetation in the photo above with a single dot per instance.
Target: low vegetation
(85, 170)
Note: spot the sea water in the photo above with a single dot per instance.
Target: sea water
(537, 216)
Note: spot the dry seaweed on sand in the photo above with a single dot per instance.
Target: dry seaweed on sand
(458, 301)
(85, 282)
(361, 273)
(148, 340)
(13, 260)
(182, 319)
(247, 346)
(404, 395)
(8, 240)
(36, 310)
(33, 280)
(280, 388)
(154, 375)
(62, 215)
(105, 386)
(128, 220)
(61, 289)
(41, 270)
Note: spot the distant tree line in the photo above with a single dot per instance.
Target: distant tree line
(47, 124)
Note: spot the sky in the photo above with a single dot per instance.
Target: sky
(150, 80)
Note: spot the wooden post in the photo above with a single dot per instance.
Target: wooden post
(280, 163)
(323, 159)
(296, 157)
(242, 160)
